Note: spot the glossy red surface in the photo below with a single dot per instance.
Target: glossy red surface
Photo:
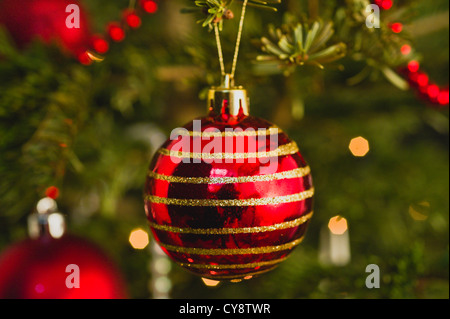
(36, 269)
(202, 226)
(27, 20)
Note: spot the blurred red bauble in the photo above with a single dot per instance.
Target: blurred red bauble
(27, 20)
(36, 268)
(55, 265)
(237, 209)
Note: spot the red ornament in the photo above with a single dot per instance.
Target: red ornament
(55, 265)
(46, 20)
(226, 211)
(36, 268)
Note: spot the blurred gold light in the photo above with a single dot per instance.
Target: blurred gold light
(94, 57)
(138, 238)
(338, 225)
(420, 211)
(359, 146)
(210, 283)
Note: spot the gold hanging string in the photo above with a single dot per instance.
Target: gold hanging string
(238, 41)
(132, 4)
(219, 49)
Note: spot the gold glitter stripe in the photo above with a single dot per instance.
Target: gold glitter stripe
(259, 132)
(232, 251)
(286, 149)
(233, 266)
(228, 231)
(232, 202)
(295, 173)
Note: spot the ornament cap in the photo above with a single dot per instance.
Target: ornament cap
(228, 99)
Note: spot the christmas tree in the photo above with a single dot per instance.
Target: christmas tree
(361, 86)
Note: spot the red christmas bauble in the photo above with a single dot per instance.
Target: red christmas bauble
(234, 204)
(26, 20)
(38, 268)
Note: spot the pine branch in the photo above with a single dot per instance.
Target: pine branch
(299, 44)
(216, 11)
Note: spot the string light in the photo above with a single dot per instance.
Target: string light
(338, 225)
(359, 146)
(160, 283)
(138, 238)
(116, 31)
(419, 79)
(210, 282)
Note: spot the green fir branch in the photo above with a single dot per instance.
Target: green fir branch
(299, 44)
(216, 11)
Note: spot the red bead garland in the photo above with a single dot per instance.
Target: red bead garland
(100, 44)
(384, 4)
(396, 27)
(116, 30)
(149, 6)
(132, 19)
(418, 79)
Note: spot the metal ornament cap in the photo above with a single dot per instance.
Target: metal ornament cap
(228, 100)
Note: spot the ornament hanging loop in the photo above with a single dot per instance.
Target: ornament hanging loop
(238, 43)
(227, 81)
(239, 37)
